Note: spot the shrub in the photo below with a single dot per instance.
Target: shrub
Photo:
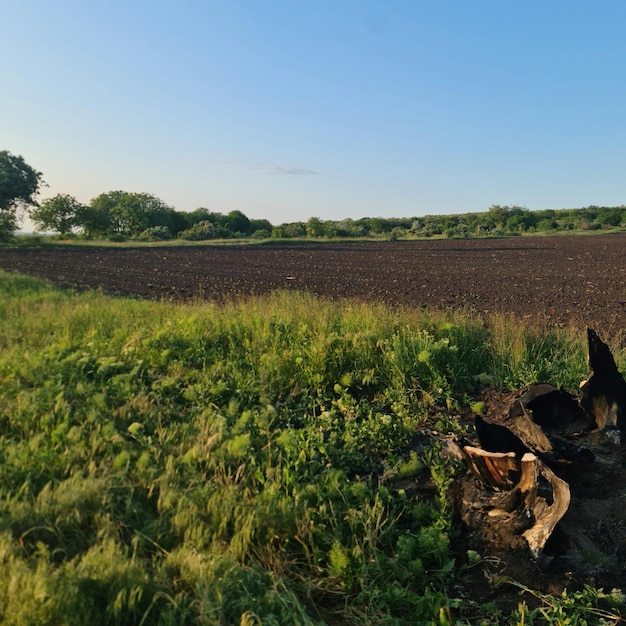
(155, 233)
(201, 231)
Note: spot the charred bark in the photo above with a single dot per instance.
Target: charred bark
(548, 447)
(603, 394)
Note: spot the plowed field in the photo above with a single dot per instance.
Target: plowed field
(559, 280)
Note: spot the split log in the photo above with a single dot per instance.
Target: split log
(547, 512)
(512, 498)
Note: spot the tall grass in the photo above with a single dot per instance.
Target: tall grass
(235, 463)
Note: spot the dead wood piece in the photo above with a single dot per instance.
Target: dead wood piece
(511, 492)
(521, 422)
(499, 470)
(528, 479)
(504, 502)
(603, 394)
(547, 516)
(555, 410)
(495, 437)
(515, 432)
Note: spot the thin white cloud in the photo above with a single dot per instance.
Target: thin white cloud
(288, 171)
(292, 171)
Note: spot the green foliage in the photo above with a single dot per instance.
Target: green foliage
(125, 215)
(155, 233)
(498, 221)
(522, 355)
(121, 216)
(576, 608)
(203, 224)
(170, 464)
(60, 214)
(201, 231)
(289, 231)
(315, 227)
(19, 185)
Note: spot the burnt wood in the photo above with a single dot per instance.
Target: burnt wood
(548, 447)
(603, 394)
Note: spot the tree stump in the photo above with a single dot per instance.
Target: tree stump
(546, 449)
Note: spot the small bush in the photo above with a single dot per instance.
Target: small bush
(156, 233)
(201, 231)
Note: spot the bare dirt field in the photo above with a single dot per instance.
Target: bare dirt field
(579, 280)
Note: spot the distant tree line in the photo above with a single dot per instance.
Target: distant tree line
(122, 215)
(497, 221)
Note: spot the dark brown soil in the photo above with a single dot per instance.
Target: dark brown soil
(579, 280)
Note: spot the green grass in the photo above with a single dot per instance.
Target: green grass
(235, 463)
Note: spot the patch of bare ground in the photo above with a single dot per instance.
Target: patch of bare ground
(555, 280)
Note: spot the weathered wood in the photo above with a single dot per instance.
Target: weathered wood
(547, 515)
(495, 437)
(555, 410)
(503, 502)
(603, 394)
(512, 490)
(520, 421)
(543, 420)
(498, 470)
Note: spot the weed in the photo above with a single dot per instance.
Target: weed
(227, 464)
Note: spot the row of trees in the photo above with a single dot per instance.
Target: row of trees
(121, 215)
(498, 221)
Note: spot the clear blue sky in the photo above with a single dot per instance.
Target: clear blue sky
(333, 108)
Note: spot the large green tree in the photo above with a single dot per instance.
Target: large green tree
(19, 185)
(59, 213)
(238, 223)
(124, 214)
(315, 227)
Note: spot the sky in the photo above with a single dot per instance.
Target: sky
(291, 109)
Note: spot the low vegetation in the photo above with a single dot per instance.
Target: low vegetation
(119, 216)
(240, 463)
(497, 221)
